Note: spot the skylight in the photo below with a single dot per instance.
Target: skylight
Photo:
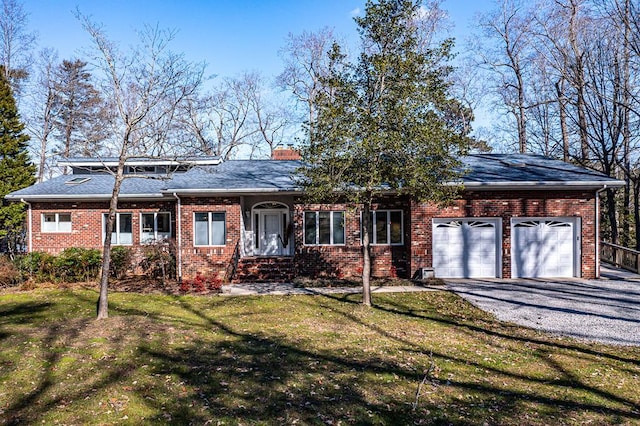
(77, 181)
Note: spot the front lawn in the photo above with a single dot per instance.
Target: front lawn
(418, 358)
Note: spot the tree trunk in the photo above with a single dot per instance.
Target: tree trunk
(562, 106)
(636, 210)
(366, 254)
(103, 304)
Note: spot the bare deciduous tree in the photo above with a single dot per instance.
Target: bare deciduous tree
(15, 42)
(41, 110)
(507, 55)
(306, 63)
(148, 84)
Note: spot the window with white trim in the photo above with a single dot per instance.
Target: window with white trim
(155, 226)
(122, 229)
(324, 228)
(56, 222)
(386, 227)
(209, 228)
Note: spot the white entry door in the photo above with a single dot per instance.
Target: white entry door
(466, 248)
(270, 233)
(544, 247)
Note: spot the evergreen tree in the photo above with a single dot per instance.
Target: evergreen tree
(79, 110)
(16, 171)
(387, 121)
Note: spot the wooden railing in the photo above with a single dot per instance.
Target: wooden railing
(619, 256)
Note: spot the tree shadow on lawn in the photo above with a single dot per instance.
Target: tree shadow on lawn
(492, 334)
(16, 312)
(261, 377)
(44, 394)
(271, 376)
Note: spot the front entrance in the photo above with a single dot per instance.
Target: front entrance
(271, 229)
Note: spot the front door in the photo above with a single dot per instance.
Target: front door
(270, 233)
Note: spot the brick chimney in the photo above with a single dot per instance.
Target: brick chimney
(285, 153)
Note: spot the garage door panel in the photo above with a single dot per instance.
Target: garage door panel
(544, 248)
(465, 248)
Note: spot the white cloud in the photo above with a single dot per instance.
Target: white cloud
(355, 12)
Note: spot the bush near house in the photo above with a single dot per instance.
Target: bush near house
(71, 265)
(159, 260)
(121, 260)
(9, 274)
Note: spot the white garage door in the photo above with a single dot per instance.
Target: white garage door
(544, 247)
(466, 248)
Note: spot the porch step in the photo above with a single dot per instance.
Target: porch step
(262, 269)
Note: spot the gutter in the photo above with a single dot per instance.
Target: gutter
(83, 197)
(604, 188)
(29, 225)
(179, 235)
(539, 185)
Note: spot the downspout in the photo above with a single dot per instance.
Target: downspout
(29, 225)
(179, 235)
(598, 230)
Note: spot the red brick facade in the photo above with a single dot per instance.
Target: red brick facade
(328, 260)
(87, 223)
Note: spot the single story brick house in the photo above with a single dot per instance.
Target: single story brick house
(246, 220)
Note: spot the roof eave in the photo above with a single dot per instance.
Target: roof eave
(573, 185)
(231, 191)
(82, 197)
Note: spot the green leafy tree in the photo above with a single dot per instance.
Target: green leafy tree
(16, 171)
(387, 122)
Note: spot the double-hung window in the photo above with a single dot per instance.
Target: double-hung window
(209, 228)
(323, 228)
(122, 229)
(155, 226)
(386, 227)
(56, 222)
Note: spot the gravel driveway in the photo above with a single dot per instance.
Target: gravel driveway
(605, 310)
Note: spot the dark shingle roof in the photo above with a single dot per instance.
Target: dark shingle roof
(484, 171)
(238, 176)
(98, 186)
(529, 169)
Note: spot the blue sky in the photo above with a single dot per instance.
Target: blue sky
(231, 36)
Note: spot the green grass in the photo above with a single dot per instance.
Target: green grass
(298, 359)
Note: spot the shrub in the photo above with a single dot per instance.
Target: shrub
(159, 260)
(201, 282)
(77, 264)
(9, 274)
(37, 266)
(121, 259)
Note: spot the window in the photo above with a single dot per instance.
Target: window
(210, 229)
(155, 226)
(386, 227)
(56, 222)
(122, 230)
(77, 180)
(323, 228)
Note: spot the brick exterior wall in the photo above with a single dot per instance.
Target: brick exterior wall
(346, 260)
(208, 260)
(86, 223)
(505, 205)
(339, 260)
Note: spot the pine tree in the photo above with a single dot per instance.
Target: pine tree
(16, 170)
(79, 110)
